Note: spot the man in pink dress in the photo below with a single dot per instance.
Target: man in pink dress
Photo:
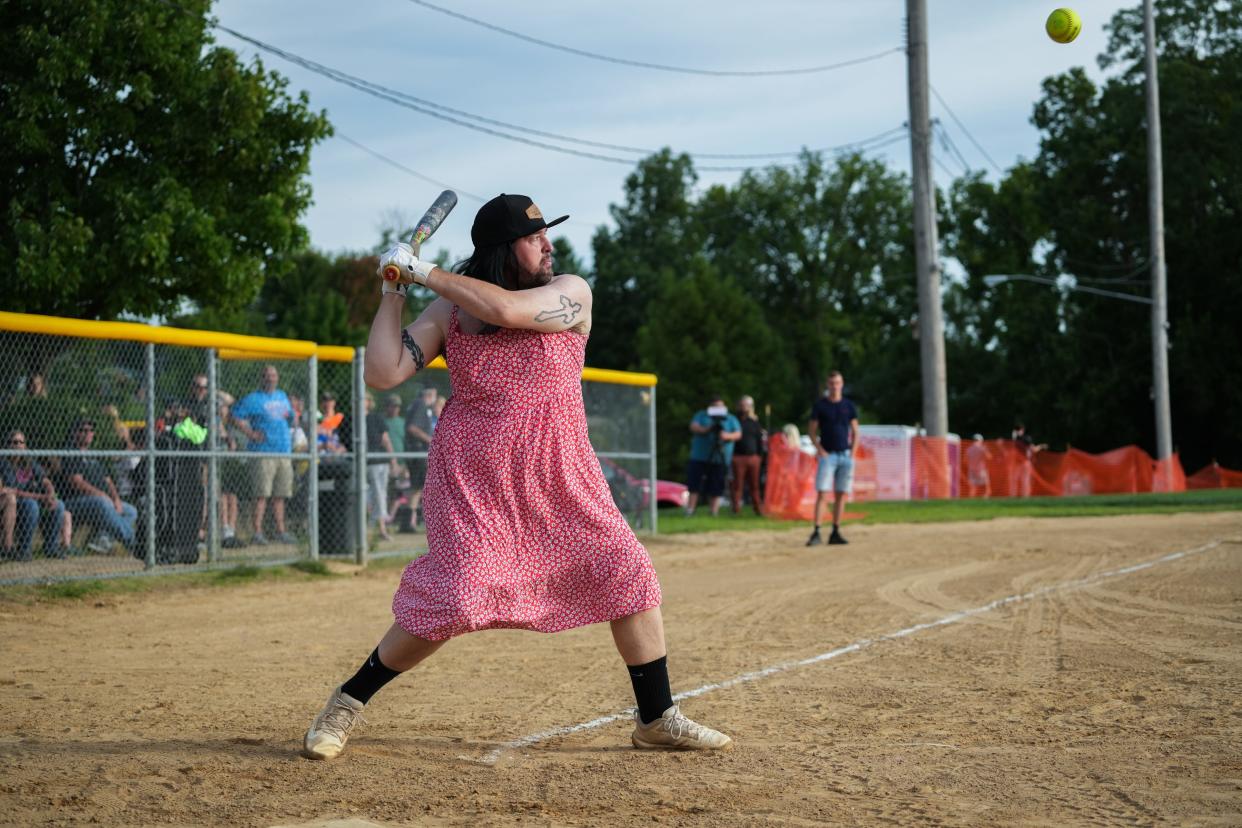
(522, 531)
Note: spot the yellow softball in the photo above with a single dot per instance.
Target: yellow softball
(1063, 25)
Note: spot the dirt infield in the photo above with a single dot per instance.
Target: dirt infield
(1112, 702)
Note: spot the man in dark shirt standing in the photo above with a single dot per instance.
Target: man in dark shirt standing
(748, 454)
(834, 430)
(420, 426)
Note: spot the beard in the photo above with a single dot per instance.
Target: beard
(526, 279)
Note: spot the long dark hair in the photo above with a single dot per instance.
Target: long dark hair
(494, 263)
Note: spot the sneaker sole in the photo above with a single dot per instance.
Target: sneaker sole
(641, 745)
(321, 757)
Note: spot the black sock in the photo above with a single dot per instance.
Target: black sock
(371, 676)
(651, 689)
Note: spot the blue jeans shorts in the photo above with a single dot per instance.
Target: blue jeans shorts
(835, 472)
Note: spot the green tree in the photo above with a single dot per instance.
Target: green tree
(324, 299)
(703, 335)
(565, 260)
(656, 236)
(141, 165)
(825, 249)
(810, 266)
(1084, 362)
(1000, 342)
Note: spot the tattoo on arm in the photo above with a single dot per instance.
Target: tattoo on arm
(568, 311)
(416, 353)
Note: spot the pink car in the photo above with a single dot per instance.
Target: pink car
(632, 492)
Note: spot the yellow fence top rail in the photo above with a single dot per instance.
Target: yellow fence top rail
(238, 346)
(618, 377)
(159, 334)
(326, 353)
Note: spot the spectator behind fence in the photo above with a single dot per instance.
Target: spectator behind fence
(715, 431)
(795, 439)
(330, 427)
(748, 455)
(232, 472)
(420, 426)
(8, 522)
(123, 467)
(197, 404)
(297, 431)
(35, 503)
(264, 417)
(394, 422)
(978, 481)
(1027, 449)
(36, 386)
(378, 468)
(91, 494)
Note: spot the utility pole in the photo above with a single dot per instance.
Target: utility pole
(926, 246)
(1155, 219)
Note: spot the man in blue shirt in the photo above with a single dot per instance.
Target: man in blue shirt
(711, 451)
(265, 417)
(834, 430)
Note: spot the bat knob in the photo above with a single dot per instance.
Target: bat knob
(392, 273)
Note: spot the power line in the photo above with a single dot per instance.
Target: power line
(949, 146)
(965, 131)
(941, 165)
(1125, 278)
(659, 66)
(430, 108)
(406, 169)
(415, 173)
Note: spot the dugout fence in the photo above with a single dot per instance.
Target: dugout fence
(155, 410)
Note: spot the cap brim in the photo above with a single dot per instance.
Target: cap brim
(555, 222)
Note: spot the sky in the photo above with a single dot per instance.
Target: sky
(986, 60)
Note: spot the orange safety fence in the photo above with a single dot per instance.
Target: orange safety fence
(944, 468)
(999, 468)
(1215, 476)
(790, 489)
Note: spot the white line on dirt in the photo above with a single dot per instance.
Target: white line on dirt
(491, 757)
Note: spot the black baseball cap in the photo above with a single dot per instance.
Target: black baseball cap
(507, 217)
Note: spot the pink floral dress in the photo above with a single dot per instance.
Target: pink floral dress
(522, 531)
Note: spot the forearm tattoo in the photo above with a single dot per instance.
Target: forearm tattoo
(416, 353)
(568, 311)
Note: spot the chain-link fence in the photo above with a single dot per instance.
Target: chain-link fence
(295, 459)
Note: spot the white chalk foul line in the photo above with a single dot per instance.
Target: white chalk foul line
(526, 741)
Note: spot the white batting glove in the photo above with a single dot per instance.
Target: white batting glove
(412, 269)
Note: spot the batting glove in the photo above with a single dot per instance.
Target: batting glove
(412, 269)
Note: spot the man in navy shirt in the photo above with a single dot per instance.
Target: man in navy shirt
(834, 430)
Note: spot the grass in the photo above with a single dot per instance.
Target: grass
(935, 511)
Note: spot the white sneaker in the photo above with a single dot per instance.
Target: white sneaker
(330, 729)
(673, 731)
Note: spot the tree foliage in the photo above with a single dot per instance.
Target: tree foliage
(760, 288)
(1080, 365)
(140, 164)
(729, 351)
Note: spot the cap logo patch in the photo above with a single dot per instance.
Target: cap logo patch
(532, 212)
